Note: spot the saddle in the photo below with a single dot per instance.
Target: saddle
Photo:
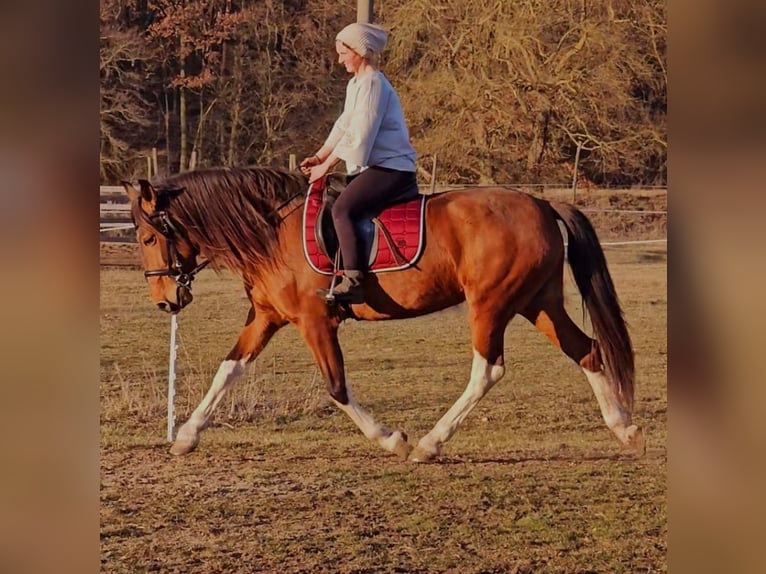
(392, 239)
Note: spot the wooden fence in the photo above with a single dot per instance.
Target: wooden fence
(115, 223)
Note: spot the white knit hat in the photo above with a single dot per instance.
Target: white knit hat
(363, 38)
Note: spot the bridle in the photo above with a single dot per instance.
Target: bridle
(174, 269)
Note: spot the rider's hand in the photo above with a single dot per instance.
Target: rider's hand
(309, 162)
(317, 172)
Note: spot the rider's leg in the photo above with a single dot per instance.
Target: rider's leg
(368, 191)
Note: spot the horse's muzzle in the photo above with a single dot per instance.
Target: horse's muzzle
(168, 307)
(183, 298)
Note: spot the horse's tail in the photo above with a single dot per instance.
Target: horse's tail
(586, 258)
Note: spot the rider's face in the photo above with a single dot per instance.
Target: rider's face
(348, 57)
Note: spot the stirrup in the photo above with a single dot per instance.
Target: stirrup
(355, 295)
(327, 294)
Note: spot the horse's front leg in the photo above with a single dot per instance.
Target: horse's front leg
(252, 340)
(321, 335)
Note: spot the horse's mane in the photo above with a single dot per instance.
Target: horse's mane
(231, 213)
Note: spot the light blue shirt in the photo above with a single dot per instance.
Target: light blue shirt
(371, 131)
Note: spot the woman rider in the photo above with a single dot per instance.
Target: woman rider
(372, 137)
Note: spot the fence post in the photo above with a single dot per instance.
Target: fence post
(575, 171)
(154, 160)
(364, 11)
(172, 376)
(433, 176)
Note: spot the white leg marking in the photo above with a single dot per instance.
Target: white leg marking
(615, 417)
(228, 372)
(371, 428)
(483, 377)
(392, 441)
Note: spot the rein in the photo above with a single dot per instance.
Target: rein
(174, 269)
(284, 204)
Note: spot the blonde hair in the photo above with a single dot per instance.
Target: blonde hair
(373, 58)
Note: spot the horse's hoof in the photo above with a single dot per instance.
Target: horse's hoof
(182, 447)
(402, 449)
(634, 440)
(421, 454)
(397, 444)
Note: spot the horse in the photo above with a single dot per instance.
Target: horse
(499, 250)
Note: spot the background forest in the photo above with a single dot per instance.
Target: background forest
(500, 90)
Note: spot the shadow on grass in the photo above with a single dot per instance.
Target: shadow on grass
(542, 457)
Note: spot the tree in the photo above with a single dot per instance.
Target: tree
(123, 112)
(285, 89)
(192, 37)
(507, 91)
(501, 91)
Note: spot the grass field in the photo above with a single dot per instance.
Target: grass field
(283, 482)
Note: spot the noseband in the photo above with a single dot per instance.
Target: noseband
(174, 269)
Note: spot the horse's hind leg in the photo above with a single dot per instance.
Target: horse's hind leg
(547, 313)
(252, 340)
(488, 327)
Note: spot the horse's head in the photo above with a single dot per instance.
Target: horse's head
(169, 258)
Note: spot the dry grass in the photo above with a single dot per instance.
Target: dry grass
(282, 482)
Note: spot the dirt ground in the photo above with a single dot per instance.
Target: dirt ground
(283, 482)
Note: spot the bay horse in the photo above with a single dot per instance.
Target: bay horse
(499, 250)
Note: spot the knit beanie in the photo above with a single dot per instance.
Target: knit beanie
(363, 38)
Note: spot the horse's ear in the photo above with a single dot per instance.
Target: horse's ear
(147, 191)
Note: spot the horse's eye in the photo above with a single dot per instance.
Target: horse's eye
(151, 240)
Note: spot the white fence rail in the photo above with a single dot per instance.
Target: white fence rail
(114, 213)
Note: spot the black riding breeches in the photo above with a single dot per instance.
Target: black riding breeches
(369, 191)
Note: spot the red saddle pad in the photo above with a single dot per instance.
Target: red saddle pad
(403, 221)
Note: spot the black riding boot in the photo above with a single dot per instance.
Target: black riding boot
(350, 287)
